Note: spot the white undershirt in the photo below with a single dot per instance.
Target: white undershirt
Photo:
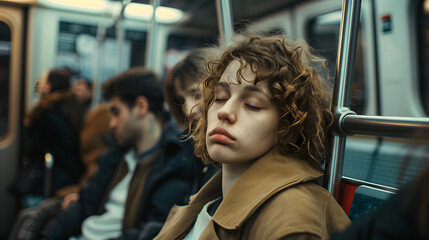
(109, 224)
(201, 222)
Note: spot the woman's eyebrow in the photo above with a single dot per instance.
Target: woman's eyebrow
(254, 89)
(248, 89)
(193, 90)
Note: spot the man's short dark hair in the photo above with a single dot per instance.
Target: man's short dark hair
(134, 83)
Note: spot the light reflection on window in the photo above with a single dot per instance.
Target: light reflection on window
(323, 33)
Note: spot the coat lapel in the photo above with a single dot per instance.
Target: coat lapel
(265, 178)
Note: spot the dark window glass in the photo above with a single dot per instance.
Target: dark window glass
(5, 46)
(179, 45)
(272, 32)
(323, 33)
(423, 36)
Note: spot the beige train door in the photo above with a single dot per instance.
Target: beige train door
(11, 34)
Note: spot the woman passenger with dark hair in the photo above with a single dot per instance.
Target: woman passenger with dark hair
(53, 126)
(265, 121)
(182, 94)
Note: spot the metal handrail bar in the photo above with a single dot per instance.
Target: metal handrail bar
(342, 86)
(357, 182)
(402, 127)
(224, 17)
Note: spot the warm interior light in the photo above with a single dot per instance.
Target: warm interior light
(144, 12)
(92, 6)
(426, 6)
(168, 15)
(133, 10)
(137, 10)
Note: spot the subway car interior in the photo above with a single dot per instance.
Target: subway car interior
(377, 52)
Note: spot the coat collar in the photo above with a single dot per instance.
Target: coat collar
(266, 177)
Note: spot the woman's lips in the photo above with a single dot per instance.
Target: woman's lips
(220, 135)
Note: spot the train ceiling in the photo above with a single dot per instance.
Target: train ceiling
(203, 12)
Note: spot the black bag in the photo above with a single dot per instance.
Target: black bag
(29, 180)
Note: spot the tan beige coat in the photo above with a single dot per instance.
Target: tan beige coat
(276, 198)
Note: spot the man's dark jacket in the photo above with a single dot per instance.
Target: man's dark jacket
(169, 181)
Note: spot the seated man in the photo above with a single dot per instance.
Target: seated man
(138, 181)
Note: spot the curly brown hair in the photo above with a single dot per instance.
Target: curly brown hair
(299, 92)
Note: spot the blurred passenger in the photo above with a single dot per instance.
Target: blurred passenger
(138, 181)
(30, 221)
(265, 120)
(404, 216)
(82, 88)
(91, 138)
(182, 94)
(52, 126)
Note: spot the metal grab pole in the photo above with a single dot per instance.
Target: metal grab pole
(342, 91)
(120, 36)
(152, 37)
(96, 95)
(101, 37)
(224, 18)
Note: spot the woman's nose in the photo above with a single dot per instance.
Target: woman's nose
(226, 112)
(189, 104)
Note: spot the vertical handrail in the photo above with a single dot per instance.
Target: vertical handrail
(152, 35)
(120, 36)
(101, 35)
(342, 91)
(119, 44)
(225, 22)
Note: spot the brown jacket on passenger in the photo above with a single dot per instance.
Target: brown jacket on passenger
(91, 145)
(276, 198)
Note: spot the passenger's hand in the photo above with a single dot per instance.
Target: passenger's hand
(69, 198)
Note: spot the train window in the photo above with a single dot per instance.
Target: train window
(423, 36)
(5, 45)
(77, 44)
(323, 35)
(274, 31)
(179, 45)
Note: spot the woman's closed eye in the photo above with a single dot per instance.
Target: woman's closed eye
(179, 100)
(253, 103)
(252, 106)
(219, 100)
(197, 96)
(221, 96)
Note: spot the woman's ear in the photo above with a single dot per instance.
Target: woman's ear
(142, 106)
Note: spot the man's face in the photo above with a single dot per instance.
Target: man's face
(123, 123)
